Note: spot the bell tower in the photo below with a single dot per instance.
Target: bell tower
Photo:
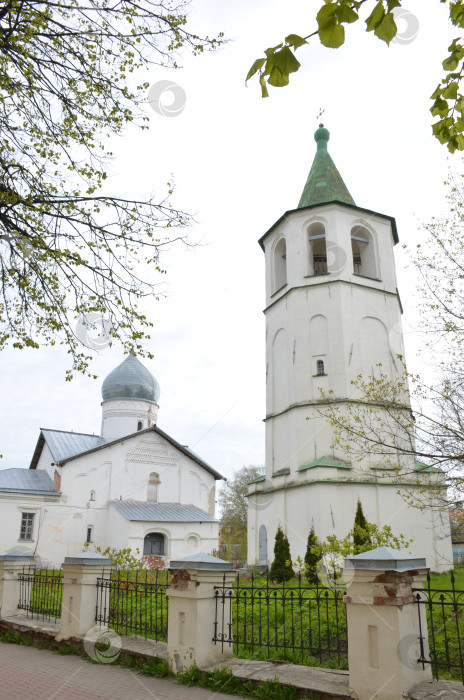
(333, 313)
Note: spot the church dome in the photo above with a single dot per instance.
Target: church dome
(130, 380)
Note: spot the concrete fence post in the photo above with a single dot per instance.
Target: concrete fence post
(192, 611)
(80, 574)
(11, 565)
(383, 624)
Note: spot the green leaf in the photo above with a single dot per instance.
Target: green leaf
(451, 92)
(264, 90)
(259, 63)
(346, 14)
(457, 14)
(387, 29)
(440, 108)
(441, 129)
(392, 4)
(295, 41)
(285, 61)
(277, 78)
(375, 17)
(269, 52)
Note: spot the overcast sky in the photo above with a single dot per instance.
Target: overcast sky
(239, 162)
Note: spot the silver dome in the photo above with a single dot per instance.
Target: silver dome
(130, 380)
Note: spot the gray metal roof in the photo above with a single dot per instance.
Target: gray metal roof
(153, 429)
(162, 512)
(63, 444)
(130, 380)
(27, 481)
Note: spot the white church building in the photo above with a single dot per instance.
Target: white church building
(331, 305)
(131, 486)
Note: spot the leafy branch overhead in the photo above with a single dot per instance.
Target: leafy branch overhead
(448, 99)
(69, 246)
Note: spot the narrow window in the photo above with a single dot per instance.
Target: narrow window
(27, 525)
(57, 480)
(280, 264)
(320, 368)
(139, 425)
(92, 495)
(363, 250)
(89, 534)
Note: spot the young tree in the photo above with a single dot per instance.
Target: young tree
(334, 549)
(233, 503)
(281, 569)
(68, 248)
(312, 556)
(280, 61)
(361, 535)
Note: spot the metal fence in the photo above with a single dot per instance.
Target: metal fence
(41, 593)
(443, 610)
(134, 603)
(264, 619)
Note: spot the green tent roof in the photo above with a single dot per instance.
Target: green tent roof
(324, 183)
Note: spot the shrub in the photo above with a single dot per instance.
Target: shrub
(281, 568)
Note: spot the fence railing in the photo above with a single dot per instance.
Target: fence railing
(444, 611)
(134, 603)
(299, 623)
(41, 593)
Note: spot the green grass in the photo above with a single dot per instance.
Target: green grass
(274, 622)
(223, 681)
(445, 622)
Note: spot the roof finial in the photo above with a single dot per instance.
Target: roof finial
(319, 116)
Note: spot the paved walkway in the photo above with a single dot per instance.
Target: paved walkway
(39, 674)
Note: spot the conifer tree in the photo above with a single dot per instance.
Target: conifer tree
(361, 536)
(281, 568)
(312, 557)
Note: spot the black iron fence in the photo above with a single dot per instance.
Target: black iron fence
(299, 622)
(41, 593)
(134, 603)
(443, 612)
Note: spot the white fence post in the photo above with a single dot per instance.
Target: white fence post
(80, 574)
(193, 602)
(384, 640)
(11, 565)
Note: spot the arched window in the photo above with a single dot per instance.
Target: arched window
(320, 371)
(280, 264)
(153, 544)
(318, 249)
(89, 534)
(362, 246)
(139, 425)
(92, 496)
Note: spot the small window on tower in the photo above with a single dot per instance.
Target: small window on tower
(92, 496)
(139, 425)
(89, 534)
(320, 371)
